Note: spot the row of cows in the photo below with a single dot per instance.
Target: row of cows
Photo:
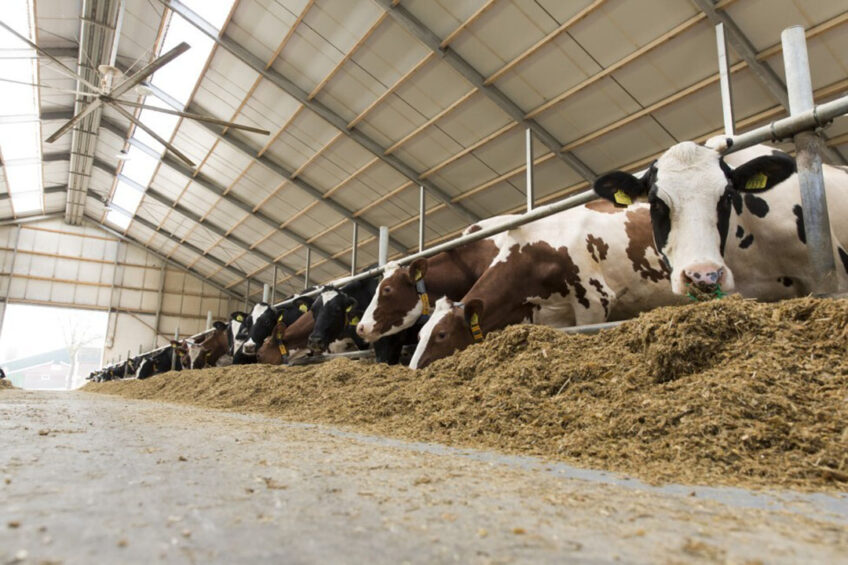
(695, 225)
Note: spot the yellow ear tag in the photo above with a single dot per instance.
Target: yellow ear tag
(622, 198)
(756, 182)
(349, 308)
(476, 332)
(283, 350)
(418, 275)
(303, 308)
(354, 321)
(280, 319)
(239, 318)
(425, 304)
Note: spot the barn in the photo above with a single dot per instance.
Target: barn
(424, 281)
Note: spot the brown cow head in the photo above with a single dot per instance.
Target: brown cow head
(452, 327)
(396, 305)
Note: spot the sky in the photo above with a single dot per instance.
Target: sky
(29, 330)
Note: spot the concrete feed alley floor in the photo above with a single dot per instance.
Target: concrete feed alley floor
(88, 478)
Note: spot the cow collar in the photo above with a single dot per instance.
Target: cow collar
(421, 289)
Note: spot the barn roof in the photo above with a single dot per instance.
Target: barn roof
(366, 101)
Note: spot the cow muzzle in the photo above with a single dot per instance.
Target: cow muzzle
(705, 277)
(365, 330)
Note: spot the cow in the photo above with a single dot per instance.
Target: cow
(734, 222)
(399, 302)
(273, 350)
(585, 265)
(258, 325)
(159, 362)
(235, 336)
(210, 350)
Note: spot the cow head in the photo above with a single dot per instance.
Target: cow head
(396, 304)
(273, 350)
(452, 327)
(237, 320)
(336, 312)
(691, 191)
(257, 327)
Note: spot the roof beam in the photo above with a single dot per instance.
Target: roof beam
(193, 248)
(217, 230)
(764, 73)
(136, 243)
(414, 26)
(258, 157)
(207, 183)
(315, 106)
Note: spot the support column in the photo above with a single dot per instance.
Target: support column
(528, 148)
(354, 248)
(308, 267)
(159, 297)
(383, 248)
(808, 148)
(422, 212)
(724, 76)
(11, 274)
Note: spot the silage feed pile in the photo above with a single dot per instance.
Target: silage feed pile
(728, 392)
(4, 383)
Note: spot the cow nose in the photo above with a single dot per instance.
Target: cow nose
(360, 329)
(705, 276)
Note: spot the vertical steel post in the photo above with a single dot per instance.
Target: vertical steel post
(422, 212)
(383, 247)
(158, 318)
(528, 148)
(308, 267)
(247, 295)
(209, 319)
(274, 285)
(808, 148)
(354, 248)
(174, 349)
(11, 274)
(127, 366)
(724, 85)
(266, 292)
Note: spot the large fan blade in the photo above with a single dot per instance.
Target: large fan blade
(54, 88)
(44, 53)
(149, 69)
(73, 121)
(152, 133)
(191, 116)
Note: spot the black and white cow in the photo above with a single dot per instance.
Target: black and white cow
(159, 362)
(734, 222)
(259, 324)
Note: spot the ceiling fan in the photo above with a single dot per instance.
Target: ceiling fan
(108, 93)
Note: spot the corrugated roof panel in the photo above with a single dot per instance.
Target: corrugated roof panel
(225, 164)
(442, 17)
(635, 141)
(259, 26)
(389, 54)
(225, 215)
(762, 20)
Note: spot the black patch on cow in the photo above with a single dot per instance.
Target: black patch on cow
(723, 217)
(779, 153)
(737, 200)
(799, 223)
(746, 243)
(844, 258)
(756, 205)
(660, 220)
(604, 295)
(740, 232)
(785, 280)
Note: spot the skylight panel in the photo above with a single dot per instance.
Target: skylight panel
(139, 167)
(127, 196)
(178, 79)
(27, 201)
(118, 219)
(20, 138)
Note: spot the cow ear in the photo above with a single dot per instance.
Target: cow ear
(417, 269)
(221, 326)
(762, 173)
(352, 303)
(621, 188)
(474, 311)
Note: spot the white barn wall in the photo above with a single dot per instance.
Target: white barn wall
(83, 267)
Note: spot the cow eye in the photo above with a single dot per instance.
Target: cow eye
(387, 290)
(442, 335)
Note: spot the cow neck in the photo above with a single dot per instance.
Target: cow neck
(453, 273)
(297, 333)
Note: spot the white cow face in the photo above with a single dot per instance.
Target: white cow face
(691, 192)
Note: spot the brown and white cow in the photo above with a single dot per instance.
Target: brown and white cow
(734, 222)
(585, 265)
(210, 351)
(399, 301)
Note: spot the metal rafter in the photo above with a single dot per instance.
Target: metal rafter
(177, 166)
(414, 26)
(764, 73)
(173, 262)
(315, 106)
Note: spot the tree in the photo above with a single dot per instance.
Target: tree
(77, 333)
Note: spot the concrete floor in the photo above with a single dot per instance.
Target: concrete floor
(86, 478)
